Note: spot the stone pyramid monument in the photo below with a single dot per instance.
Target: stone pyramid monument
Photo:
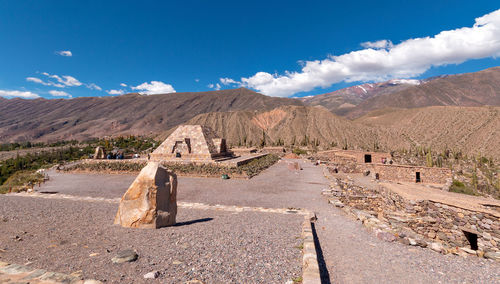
(191, 143)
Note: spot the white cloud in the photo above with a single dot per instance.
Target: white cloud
(40, 81)
(36, 80)
(65, 53)
(378, 44)
(20, 94)
(123, 84)
(93, 86)
(155, 87)
(216, 86)
(382, 60)
(115, 92)
(227, 81)
(197, 80)
(66, 80)
(60, 94)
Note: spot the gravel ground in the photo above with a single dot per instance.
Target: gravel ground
(350, 253)
(208, 245)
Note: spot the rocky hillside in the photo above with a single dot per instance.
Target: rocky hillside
(471, 89)
(343, 101)
(471, 130)
(86, 117)
(297, 125)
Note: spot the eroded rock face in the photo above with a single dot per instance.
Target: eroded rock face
(151, 200)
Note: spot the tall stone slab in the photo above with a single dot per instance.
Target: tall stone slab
(99, 153)
(151, 200)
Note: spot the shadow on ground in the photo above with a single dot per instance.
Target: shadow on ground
(193, 222)
(323, 270)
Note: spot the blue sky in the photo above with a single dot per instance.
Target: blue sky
(280, 48)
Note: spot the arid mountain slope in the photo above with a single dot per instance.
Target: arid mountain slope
(291, 124)
(471, 130)
(342, 101)
(86, 117)
(471, 89)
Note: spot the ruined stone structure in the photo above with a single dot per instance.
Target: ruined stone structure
(151, 200)
(360, 157)
(409, 173)
(424, 220)
(352, 161)
(99, 153)
(191, 143)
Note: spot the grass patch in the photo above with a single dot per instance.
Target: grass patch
(460, 187)
(301, 247)
(297, 279)
(298, 151)
(20, 180)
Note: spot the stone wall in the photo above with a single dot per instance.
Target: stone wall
(422, 222)
(358, 156)
(409, 173)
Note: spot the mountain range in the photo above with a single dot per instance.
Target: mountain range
(456, 111)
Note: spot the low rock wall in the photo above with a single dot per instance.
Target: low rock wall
(442, 227)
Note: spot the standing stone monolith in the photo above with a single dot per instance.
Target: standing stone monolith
(99, 153)
(151, 200)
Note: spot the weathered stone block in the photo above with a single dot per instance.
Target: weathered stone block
(151, 200)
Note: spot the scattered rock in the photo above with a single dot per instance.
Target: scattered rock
(125, 256)
(412, 242)
(152, 275)
(436, 247)
(492, 255)
(421, 243)
(468, 250)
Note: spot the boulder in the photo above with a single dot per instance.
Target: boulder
(151, 200)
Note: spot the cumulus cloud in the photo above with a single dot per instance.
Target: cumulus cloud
(60, 94)
(382, 60)
(216, 86)
(65, 53)
(123, 84)
(115, 92)
(93, 86)
(19, 94)
(197, 80)
(227, 81)
(155, 87)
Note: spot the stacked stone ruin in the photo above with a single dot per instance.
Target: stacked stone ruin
(379, 165)
(191, 143)
(421, 222)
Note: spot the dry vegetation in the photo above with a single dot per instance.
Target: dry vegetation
(473, 175)
(248, 170)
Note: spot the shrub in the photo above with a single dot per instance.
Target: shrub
(299, 151)
(20, 180)
(460, 187)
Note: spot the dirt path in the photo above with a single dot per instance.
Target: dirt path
(350, 253)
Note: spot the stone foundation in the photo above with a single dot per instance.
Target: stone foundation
(442, 227)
